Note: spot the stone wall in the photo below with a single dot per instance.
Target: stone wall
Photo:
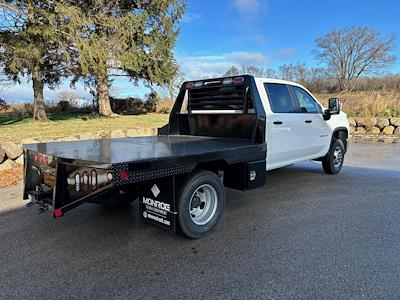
(384, 126)
(372, 129)
(11, 152)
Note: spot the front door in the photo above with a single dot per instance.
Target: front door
(316, 131)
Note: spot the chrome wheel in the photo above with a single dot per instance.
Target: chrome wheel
(203, 204)
(337, 157)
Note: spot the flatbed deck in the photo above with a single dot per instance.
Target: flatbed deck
(145, 149)
(215, 139)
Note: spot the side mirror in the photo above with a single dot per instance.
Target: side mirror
(334, 106)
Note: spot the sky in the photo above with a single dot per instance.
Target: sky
(217, 34)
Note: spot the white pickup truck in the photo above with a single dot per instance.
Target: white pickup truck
(222, 132)
(299, 128)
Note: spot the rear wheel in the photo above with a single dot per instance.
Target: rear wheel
(201, 201)
(332, 162)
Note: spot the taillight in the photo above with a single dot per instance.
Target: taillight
(85, 177)
(227, 81)
(43, 159)
(189, 85)
(238, 80)
(109, 176)
(85, 180)
(77, 182)
(93, 181)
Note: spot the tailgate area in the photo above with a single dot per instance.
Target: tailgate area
(40, 178)
(58, 185)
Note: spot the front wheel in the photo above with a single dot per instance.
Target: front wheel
(332, 162)
(201, 201)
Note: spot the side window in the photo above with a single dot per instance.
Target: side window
(279, 98)
(306, 103)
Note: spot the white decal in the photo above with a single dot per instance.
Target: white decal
(156, 210)
(159, 219)
(155, 190)
(155, 203)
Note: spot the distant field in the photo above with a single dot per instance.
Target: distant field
(363, 104)
(367, 104)
(62, 125)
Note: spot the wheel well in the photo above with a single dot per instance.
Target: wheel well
(341, 134)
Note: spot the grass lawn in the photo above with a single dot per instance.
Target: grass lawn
(61, 125)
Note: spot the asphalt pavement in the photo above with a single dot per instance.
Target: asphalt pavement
(305, 235)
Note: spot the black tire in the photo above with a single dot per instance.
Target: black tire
(205, 183)
(330, 163)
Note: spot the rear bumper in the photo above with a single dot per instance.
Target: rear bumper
(44, 197)
(53, 183)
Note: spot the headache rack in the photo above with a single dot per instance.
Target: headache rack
(223, 107)
(220, 97)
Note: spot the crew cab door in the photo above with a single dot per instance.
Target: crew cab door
(316, 131)
(285, 127)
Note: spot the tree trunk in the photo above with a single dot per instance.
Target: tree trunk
(39, 112)
(103, 96)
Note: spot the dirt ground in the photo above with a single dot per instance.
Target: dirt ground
(10, 177)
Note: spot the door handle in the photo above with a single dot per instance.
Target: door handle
(308, 121)
(278, 122)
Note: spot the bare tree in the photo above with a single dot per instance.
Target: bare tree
(270, 73)
(253, 70)
(232, 71)
(355, 51)
(71, 97)
(246, 69)
(286, 72)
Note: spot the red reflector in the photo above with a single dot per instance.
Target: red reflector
(238, 80)
(58, 213)
(123, 175)
(189, 85)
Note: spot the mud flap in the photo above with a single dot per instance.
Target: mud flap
(157, 203)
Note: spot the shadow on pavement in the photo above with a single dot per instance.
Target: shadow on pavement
(305, 234)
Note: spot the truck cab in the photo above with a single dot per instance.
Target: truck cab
(298, 127)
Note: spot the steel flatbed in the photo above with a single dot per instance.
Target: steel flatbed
(215, 137)
(150, 149)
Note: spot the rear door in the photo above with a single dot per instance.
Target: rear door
(316, 131)
(285, 127)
